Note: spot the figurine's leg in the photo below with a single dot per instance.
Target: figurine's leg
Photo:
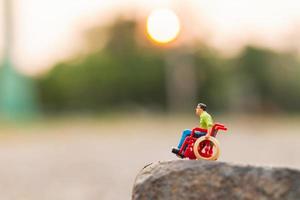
(185, 133)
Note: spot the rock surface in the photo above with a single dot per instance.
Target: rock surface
(208, 180)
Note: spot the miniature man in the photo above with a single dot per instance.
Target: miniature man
(206, 122)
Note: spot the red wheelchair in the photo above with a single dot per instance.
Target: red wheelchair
(202, 147)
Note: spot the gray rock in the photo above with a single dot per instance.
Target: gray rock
(194, 179)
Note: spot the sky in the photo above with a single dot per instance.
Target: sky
(47, 31)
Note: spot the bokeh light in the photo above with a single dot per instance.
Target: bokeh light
(163, 25)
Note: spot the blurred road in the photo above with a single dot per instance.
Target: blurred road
(92, 159)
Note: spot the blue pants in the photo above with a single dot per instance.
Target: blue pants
(186, 133)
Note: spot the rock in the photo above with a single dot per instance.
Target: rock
(209, 180)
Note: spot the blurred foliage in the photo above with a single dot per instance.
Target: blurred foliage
(270, 80)
(122, 73)
(127, 71)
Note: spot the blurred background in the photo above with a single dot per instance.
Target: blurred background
(92, 91)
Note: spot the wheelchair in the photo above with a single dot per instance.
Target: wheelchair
(202, 147)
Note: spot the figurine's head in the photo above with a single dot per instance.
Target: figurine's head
(201, 107)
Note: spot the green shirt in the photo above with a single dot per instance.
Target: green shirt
(206, 120)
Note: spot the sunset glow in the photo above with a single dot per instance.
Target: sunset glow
(43, 38)
(163, 25)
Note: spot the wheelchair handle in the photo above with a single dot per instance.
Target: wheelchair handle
(216, 127)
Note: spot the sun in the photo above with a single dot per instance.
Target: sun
(163, 25)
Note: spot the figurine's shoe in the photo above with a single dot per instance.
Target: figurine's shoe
(176, 151)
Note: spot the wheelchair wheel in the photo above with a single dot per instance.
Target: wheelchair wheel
(207, 149)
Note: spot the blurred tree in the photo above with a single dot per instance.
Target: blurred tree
(213, 77)
(268, 80)
(125, 71)
(120, 74)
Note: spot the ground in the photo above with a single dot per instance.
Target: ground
(98, 158)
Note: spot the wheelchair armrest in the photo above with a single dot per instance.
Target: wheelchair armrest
(198, 129)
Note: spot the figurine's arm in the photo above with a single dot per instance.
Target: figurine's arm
(209, 123)
(208, 132)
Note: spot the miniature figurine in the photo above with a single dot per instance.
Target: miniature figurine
(200, 142)
(206, 122)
